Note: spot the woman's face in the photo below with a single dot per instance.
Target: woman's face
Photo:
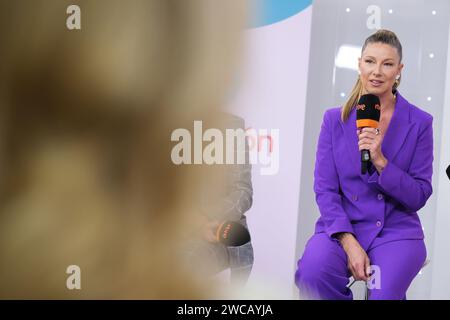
(379, 66)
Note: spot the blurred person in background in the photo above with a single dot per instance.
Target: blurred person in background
(86, 117)
(228, 203)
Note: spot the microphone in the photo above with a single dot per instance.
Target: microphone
(232, 234)
(448, 171)
(367, 115)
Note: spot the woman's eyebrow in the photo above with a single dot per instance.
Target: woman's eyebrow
(376, 59)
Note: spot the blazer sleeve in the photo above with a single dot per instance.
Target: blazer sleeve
(412, 188)
(326, 183)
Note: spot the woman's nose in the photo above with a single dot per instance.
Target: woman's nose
(377, 70)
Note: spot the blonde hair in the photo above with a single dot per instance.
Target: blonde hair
(86, 176)
(381, 36)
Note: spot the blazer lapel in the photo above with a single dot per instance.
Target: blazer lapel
(396, 134)
(398, 129)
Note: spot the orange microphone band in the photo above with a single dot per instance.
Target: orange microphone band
(219, 229)
(361, 123)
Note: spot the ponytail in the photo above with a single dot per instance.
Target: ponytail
(352, 100)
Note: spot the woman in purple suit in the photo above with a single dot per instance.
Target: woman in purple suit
(369, 222)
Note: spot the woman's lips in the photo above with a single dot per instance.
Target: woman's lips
(376, 83)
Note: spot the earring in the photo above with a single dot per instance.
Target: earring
(397, 82)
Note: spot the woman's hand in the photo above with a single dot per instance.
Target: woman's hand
(369, 140)
(358, 261)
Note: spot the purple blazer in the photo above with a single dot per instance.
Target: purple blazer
(376, 208)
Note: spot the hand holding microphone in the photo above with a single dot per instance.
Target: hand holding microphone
(229, 233)
(367, 120)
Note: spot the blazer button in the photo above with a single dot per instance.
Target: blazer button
(380, 196)
(378, 223)
(355, 197)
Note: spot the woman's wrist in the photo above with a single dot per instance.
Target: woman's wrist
(345, 239)
(380, 165)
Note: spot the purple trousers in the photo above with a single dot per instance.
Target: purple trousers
(323, 273)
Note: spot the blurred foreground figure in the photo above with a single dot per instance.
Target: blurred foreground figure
(86, 118)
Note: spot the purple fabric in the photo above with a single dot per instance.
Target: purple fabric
(322, 272)
(373, 205)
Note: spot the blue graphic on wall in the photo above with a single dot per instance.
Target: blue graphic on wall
(267, 12)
